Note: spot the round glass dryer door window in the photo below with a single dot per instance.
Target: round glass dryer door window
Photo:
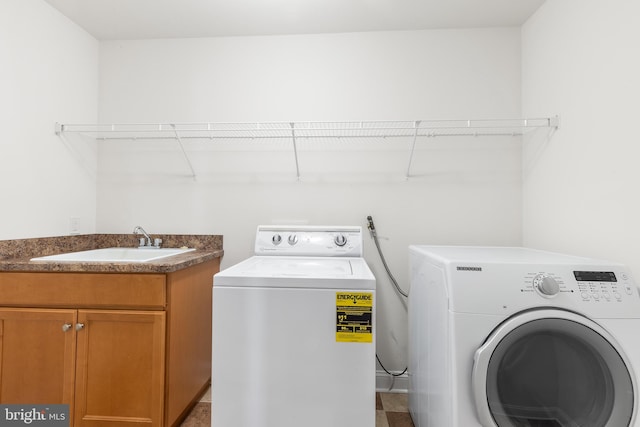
(553, 372)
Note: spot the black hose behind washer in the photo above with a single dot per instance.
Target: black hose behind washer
(374, 235)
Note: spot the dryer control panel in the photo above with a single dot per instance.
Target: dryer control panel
(603, 285)
(589, 285)
(503, 281)
(599, 290)
(309, 241)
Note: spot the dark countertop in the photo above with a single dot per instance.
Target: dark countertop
(15, 255)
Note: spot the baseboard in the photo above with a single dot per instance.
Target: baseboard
(389, 384)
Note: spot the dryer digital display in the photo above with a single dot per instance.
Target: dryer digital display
(595, 276)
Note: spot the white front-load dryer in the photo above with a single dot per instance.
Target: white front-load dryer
(510, 337)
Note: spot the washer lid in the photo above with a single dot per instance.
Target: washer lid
(296, 271)
(299, 267)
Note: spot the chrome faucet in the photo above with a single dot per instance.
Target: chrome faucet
(145, 242)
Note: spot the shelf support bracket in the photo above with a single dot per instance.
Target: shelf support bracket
(413, 147)
(184, 153)
(295, 149)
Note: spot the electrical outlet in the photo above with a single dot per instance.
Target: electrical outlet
(74, 225)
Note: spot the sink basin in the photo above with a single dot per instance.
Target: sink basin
(116, 255)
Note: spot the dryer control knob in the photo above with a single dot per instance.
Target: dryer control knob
(293, 239)
(546, 285)
(276, 239)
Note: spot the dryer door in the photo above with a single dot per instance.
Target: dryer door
(552, 368)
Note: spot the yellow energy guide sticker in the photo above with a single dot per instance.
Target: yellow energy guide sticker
(354, 317)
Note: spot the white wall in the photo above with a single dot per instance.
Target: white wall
(464, 192)
(48, 73)
(580, 60)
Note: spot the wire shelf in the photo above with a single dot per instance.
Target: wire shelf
(307, 131)
(317, 130)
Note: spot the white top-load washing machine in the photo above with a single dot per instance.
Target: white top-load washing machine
(520, 337)
(294, 332)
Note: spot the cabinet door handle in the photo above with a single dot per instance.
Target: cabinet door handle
(66, 327)
(79, 326)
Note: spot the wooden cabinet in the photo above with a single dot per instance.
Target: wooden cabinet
(35, 350)
(120, 363)
(121, 349)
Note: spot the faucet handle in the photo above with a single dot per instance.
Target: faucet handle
(143, 242)
(157, 242)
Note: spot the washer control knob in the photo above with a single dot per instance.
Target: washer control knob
(293, 239)
(340, 240)
(546, 285)
(276, 239)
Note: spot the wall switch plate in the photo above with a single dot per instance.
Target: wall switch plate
(74, 225)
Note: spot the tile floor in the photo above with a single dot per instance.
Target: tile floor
(200, 415)
(391, 411)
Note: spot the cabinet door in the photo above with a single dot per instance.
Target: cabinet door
(120, 368)
(37, 356)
